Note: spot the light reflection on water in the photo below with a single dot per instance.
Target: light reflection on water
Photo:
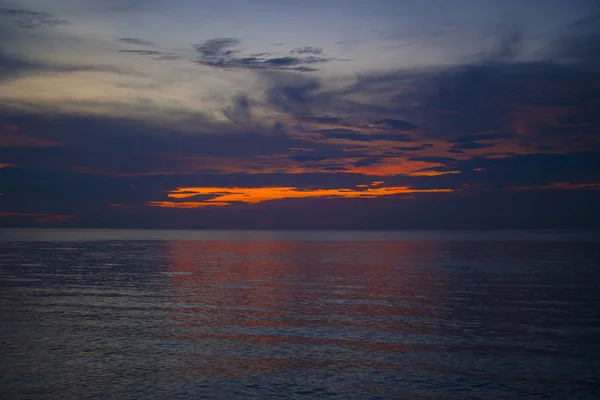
(273, 316)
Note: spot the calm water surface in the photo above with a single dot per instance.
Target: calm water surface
(271, 315)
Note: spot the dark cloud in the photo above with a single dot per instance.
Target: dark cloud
(471, 145)
(239, 112)
(28, 19)
(484, 99)
(580, 44)
(422, 147)
(482, 137)
(259, 54)
(63, 180)
(157, 55)
(349, 134)
(507, 49)
(495, 99)
(484, 210)
(322, 120)
(433, 159)
(392, 137)
(346, 134)
(526, 170)
(139, 42)
(296, 96)
(223, 52)
(396, 124)
(13, 66)
(219, 48)
(367, 162)
(308, 50)
(121, 146)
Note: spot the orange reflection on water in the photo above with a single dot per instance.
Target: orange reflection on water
(254, 297)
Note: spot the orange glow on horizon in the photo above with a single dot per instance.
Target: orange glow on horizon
(227, 196)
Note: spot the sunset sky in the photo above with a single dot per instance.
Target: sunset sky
(280, 114)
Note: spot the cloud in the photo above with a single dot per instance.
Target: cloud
(308, 50)
(471, 145)
(294, 95)
(223, 53)
(397, 124)
(139, 42)
(155, 54)
(93, 143)
(346, 134)
(28, 19)
(37, 218)
(367, 162)
(482, 137)
(239, 112)
(13, 66)
(349, 134)
(223, 196)
(580, 44)
(422, 147)
(218, 48)
(507, 49)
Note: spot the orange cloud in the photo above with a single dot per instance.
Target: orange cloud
(226, 196)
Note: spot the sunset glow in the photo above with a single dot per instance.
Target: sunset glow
(227, 196)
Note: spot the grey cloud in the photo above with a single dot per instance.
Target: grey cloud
(506, 49)
(393, 137)
(157, 55)
(222, 52)
(12, 66)
(580, 45)
(28, 19)
(308, 50)
(481, 137)
(139, 42)
(217, 48)
(367, 162)
(424, 146)
(396, 124)
(296, 96)
(349, 134)
(472, 145)
(239, 113)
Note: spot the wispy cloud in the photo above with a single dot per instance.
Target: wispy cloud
(223, 52)
(28, 19)
(139, 42)
(155, 54)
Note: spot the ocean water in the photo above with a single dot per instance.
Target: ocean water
(106, 314)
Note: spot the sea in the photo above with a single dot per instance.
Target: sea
(198, 314)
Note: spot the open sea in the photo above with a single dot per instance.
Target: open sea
(126, 314)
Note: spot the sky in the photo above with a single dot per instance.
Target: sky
(280, 114)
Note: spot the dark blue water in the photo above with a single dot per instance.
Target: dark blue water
(271, 315)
